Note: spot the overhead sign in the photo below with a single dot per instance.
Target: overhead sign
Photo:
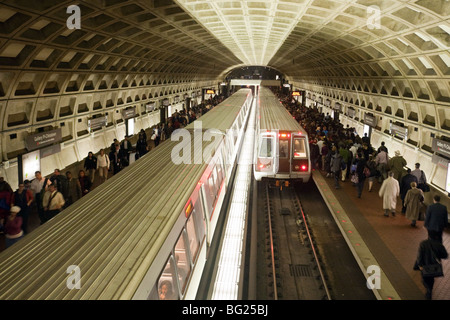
(370, 120)
(441, 146)
(97, 123)
(351, 112)
(296, 93)
(43, 139)
(150, 107)
(210, 91)
(129, 113)
(337, 106)
(398, 131)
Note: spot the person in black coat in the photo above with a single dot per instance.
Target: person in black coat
(361, 164)
(436, 218)
(405, 185)
(116, 158)
(431, 251)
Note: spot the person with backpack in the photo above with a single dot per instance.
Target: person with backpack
(361, 172)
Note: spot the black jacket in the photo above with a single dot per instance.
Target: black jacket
(429, 251)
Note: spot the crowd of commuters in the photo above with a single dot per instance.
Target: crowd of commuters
(342, 154)
(48, 196)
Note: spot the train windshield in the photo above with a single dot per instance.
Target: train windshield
(299, 148)
(265, 147)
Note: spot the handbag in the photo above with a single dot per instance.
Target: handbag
(354, 178)
(432, 270)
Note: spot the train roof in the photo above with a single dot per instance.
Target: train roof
(273, 115)
(112, 234)
(222, 118)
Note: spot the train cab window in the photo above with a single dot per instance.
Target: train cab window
(284, 148)
(265, 147)
(183, 263)
(194, 242)
(167, 283)
(299, 148)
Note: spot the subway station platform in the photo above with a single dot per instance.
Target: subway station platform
(389, 243)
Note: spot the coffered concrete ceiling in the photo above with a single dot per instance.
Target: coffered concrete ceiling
(131, 51)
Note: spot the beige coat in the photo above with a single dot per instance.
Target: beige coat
(389, 191)
(413, 203)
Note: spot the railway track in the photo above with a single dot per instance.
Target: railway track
(293, 268)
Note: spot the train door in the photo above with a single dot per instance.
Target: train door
(284, 154)
(267, 160)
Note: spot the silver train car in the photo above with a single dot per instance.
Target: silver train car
(282, 145)
(144, 233)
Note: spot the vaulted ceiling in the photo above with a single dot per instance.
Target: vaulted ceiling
(137, 50)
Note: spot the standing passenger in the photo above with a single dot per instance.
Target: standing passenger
(90, 165)
(103, 166)
(74, 193)
(84, 184)
(13, 227)
(389, 191)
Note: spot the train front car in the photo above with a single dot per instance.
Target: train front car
(282, 149)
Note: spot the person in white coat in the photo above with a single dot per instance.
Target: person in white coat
(389, 191)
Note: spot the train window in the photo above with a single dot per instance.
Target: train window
(182, 262)
(167, 283)
(199, 220)
(284, 148)
(265, 147)
(299, 148)
(192, 236)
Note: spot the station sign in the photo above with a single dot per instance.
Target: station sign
(370, 120)
(165, 102)
(97, 123)
(441, 146)
(398, 131)
(149, 107)
(129, 113)
(43, 139)
(351, 112)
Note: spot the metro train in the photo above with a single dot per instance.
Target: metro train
(282, 145)
(144, 233)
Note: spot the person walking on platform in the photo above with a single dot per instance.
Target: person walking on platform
(405, 186)
(413, 203)
(90, 165)
(382, 162)
(429, 256)
(361, 164)
(396, 165)
(421, 178)
(389, 191)
(436, 218)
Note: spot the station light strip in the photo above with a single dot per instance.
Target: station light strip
(226, 286)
